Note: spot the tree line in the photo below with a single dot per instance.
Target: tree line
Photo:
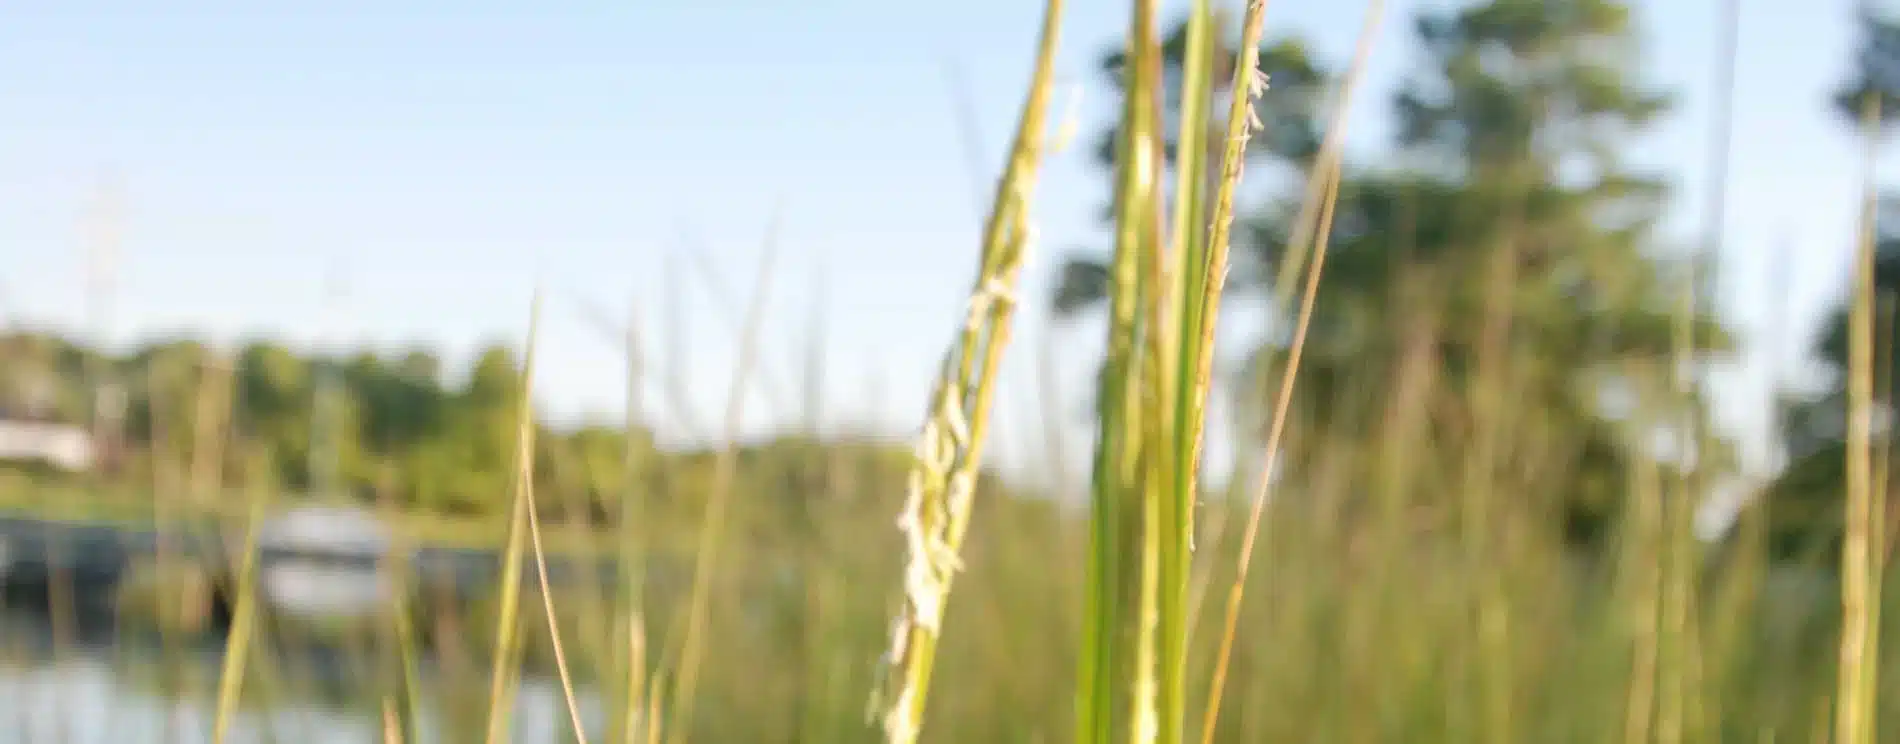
(1505, 219)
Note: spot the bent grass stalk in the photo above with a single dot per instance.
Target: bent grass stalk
(507, 628)
(949, 449)
(526, 479)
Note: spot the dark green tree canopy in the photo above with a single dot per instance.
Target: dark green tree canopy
(1516, 81)
(1509, 123)
(1876, 74)
(1290, 109)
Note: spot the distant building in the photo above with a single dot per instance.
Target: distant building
(28, 440)
(324, 560)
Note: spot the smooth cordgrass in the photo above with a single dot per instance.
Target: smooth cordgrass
(949, 449)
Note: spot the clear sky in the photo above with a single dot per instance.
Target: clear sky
(439, 159)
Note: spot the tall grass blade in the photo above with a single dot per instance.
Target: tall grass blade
(1149, 388)
(525, 477)
(241, 635)
(633, 541)
(1193, 282)
(1854, 709)
(949, 449)
(1326, 176)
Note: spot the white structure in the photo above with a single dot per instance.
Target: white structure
(62, 446)
(324, 561)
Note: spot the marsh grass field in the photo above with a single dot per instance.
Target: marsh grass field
(1476, 462)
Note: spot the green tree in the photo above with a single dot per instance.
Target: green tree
(1513, 204)
(274, 399)
(1290, 108)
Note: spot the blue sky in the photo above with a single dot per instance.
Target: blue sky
(442, 159)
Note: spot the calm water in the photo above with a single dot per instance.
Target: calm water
(96, 686)
(98, 696)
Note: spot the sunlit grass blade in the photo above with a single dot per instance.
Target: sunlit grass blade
(1854, 693)
(950, 447)
(526, 493)
(1149, 422)
(1106, 676)
(1193, 281)
(1879, 481)
(1326, 175)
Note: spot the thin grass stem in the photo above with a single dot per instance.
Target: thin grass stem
(949, 449)
(1327, 172)
(712, 531)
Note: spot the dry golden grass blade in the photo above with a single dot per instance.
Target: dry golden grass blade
(1328, 171)
(505, 671)
(526, 479)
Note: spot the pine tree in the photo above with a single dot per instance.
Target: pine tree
(1508, 136)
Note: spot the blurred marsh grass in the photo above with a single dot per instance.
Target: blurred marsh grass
(505, 666)
(712, 530)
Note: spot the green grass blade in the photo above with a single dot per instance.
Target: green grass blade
(949, 450)
(243, 624)
(1194, 283)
